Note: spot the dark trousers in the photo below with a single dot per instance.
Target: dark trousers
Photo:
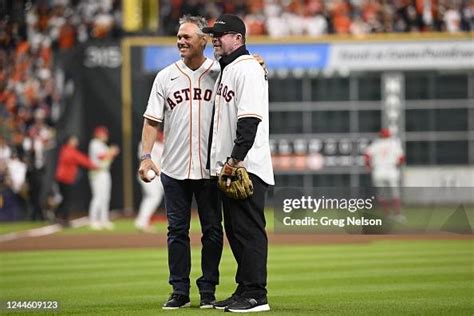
(67, 192)
(178, 198)
(35, 178)
(244, 222)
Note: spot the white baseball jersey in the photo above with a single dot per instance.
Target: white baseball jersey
(101, 183)
(182, 99)
(242, 92)
(97, 151)
(385, 154)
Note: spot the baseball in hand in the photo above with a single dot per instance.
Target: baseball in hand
(151, 174)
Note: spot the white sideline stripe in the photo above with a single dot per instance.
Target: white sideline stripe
(43, 231)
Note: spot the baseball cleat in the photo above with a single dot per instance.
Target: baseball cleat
(177, 301)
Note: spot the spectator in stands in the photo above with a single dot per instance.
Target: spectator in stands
(103, 24)
(467, 16)
(255, 20)
(294, 20)
(39, 140)
(316, 21)
(5, 151)
(69, 161)
(9, 206)
(18, 171)
(67, 35)
(359, 27)
(452, 20)
(341, 16)
(275, 22)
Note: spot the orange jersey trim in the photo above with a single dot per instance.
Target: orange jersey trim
(153, 118)
(199, 86)
(190, 120)
(250, 115)
(245, 59)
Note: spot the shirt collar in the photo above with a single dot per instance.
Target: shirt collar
(225, 60)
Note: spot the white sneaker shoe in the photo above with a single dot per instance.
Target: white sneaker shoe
(95, 226)
(108, 225)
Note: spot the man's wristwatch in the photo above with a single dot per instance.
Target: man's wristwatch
(145, 157)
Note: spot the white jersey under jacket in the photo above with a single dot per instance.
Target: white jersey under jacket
(242, 92)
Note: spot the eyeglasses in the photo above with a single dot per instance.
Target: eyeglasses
(219, 35)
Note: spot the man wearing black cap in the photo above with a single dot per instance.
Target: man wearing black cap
(240, 138)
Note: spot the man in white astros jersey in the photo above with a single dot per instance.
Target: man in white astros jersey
(240, 137)
(181, 99)
(384, 158)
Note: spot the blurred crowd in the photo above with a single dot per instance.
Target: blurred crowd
(279, 18)
(33, 32)
(31, 90)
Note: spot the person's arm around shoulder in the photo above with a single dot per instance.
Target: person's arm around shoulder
(261, 61)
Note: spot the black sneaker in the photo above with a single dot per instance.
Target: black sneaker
(207, 300)
(177, 301)
(228, 301)
(247, 305)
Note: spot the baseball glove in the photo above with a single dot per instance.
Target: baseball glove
(240, 186)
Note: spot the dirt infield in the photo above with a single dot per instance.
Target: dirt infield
(115, 241)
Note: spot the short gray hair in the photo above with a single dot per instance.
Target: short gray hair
(197, 20)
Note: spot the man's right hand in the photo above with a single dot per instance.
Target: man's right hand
(145, 166)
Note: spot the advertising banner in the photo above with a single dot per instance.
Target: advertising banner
(347, 56)
(288, 56)
(402, 55)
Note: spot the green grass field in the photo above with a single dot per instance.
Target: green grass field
(381, 278)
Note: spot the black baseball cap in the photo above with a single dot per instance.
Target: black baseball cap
(226, 23)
